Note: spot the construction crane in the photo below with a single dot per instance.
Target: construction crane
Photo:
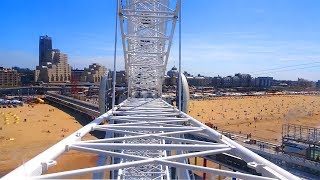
(74, 85)
(147, 138)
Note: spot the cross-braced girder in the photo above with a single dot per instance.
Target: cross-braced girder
(147, 28)
(145, 138)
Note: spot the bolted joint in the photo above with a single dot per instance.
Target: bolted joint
(67, 148)
(78, 134)
(255, 165)
(47, 164)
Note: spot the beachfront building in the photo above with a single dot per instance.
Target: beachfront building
(171, 77)
(217, 81)
(304, 83)
(173, 72)
(57, 70)
(53, 64)
(263, 82)
(93, 73)
(236, 81)
(199, 81)
(9, 78)
(244, 80)
(227, 82)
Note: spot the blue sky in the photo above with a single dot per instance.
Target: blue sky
(220, 37)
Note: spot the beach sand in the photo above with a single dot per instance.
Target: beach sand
(29, 130)
(261, 116)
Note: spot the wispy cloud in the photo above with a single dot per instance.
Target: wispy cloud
(211, 57)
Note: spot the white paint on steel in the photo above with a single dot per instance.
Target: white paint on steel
(115, 57)
(34, 166)
(102, 93)
(185, 93)
(145, 148)
(180, 73)
(147, 28)
(144, 130)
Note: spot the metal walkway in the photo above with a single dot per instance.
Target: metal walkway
(293, 164)
(146, 138)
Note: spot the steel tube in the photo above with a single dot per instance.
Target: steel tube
(119, 146)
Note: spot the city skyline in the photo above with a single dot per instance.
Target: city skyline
(218, 37)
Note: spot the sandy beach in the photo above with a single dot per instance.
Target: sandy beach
(27, 131)
(261, 116)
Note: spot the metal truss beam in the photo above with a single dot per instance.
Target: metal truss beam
(146, 136)
(147, 28)
(143, 152)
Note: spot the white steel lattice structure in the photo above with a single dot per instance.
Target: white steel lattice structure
(146, 138)
(147, 29)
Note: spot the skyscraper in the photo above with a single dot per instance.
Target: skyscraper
(45, 49)
(53, 64)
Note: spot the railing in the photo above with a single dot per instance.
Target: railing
(75, 104)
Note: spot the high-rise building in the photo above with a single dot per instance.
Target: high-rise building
(45, 49)
(53, 65)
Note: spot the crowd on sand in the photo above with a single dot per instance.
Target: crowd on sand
(260, 117)
(31, 129)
